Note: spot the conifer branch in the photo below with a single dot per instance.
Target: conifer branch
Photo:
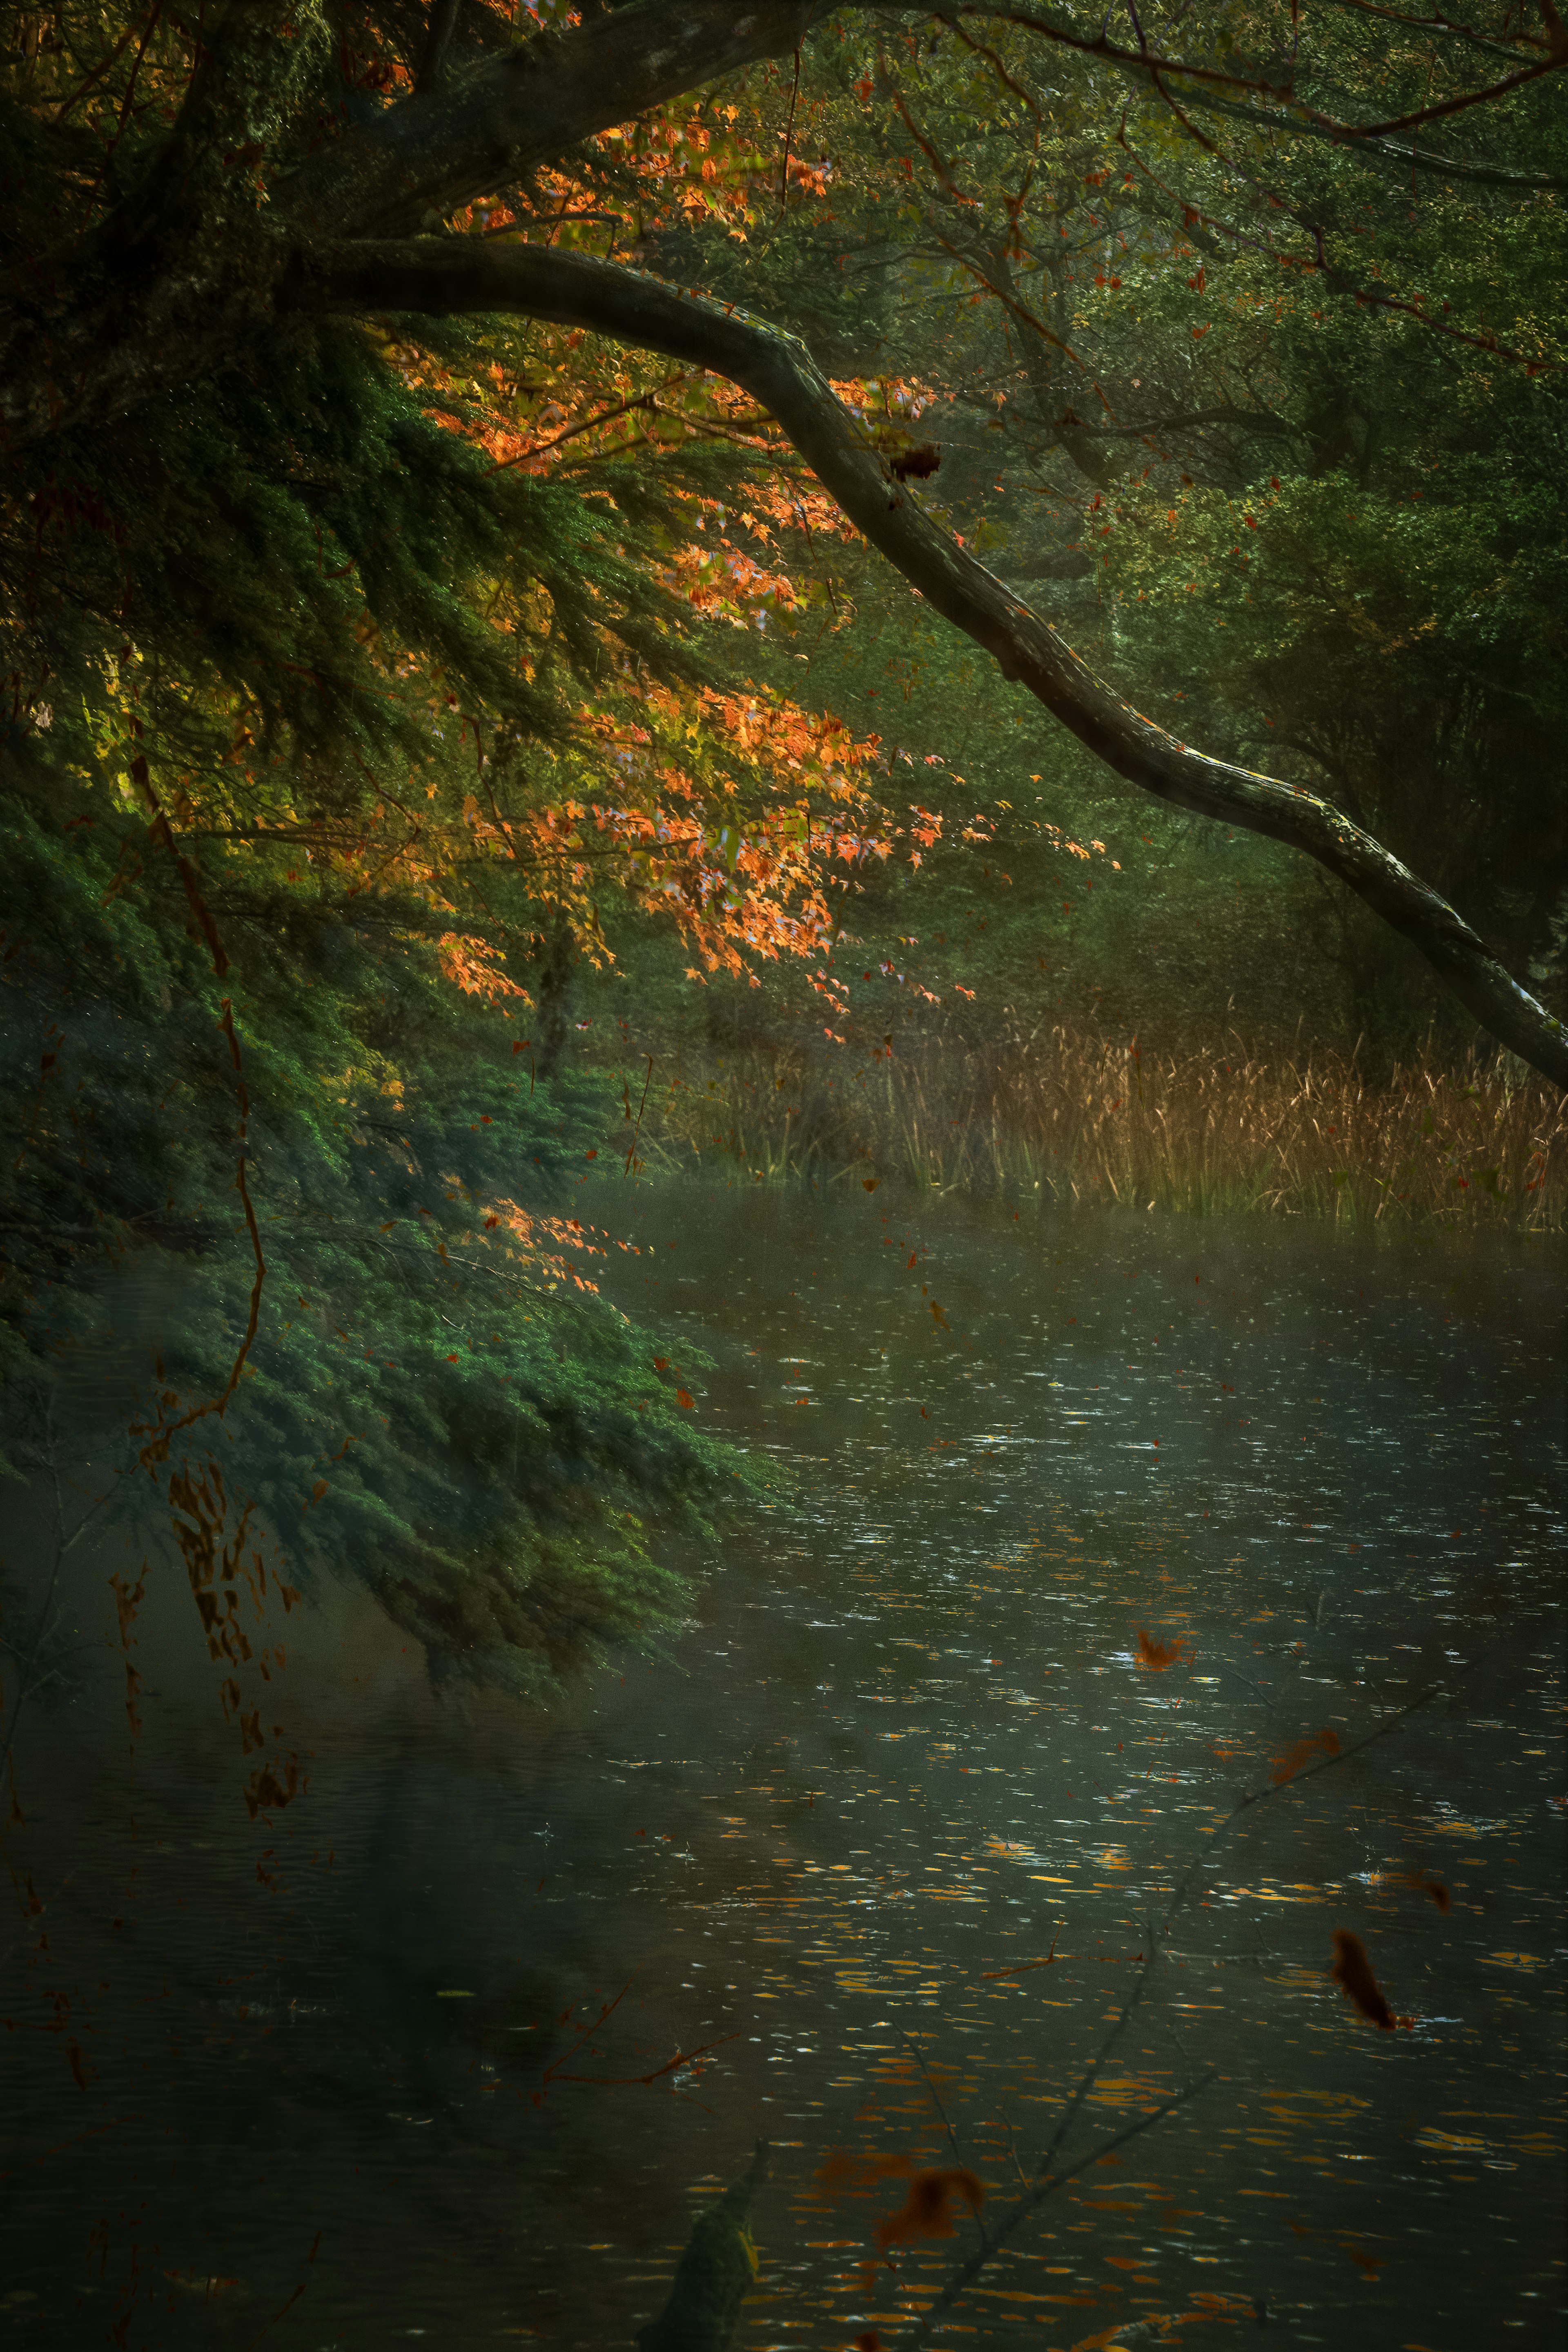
(445, 276)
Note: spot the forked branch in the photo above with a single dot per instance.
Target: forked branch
(1048, 2178)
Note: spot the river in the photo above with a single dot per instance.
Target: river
(1089, 1527)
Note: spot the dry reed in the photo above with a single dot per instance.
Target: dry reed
(1074, 1117)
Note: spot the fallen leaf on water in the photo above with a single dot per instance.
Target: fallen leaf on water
(1287, 1766)
(1432, 1886)
(1158, 1655)
(988, 1974)
(927, 2211)
(1352, 1971)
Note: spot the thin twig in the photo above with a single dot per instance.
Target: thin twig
(1025, 2205)
(936, 2096)
(789, 133)
(1198, 1867)
(1050, 2179)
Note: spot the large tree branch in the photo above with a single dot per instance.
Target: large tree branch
(441, 275)
(141, 313)
(484, 126)
(469, 130)
(68, 360)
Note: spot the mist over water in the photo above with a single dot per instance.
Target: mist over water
(864, 1863)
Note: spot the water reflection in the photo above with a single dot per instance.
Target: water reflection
(1093, 1525)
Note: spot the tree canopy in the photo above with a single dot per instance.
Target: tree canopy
(224, 236)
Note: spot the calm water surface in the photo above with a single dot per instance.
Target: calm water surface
(345, 2078)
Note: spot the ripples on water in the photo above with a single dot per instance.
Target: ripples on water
(881, 1842)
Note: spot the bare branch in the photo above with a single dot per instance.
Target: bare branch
(1143, 63)
(1049, 2178)
(967, 2272)
(1338, 281)
(1240, 420)
(441, 275)
(1507, 47)
(1200, 1868)
(1384, 154)
(464, 135)
(918, 2057)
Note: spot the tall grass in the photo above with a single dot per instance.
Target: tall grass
(1071, 1116)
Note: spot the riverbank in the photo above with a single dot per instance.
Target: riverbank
(1069, 1116)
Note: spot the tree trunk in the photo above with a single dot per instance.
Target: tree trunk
(553, 994)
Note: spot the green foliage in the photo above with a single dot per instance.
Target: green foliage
(297, 556)
(268, 602)
(434, 1401)
(1131, 342)
(1401, 642)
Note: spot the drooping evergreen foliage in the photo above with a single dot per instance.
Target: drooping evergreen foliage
(246, 624)
(266, 633)
(435, 1398)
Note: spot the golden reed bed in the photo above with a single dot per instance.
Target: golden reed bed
(1073, 1115)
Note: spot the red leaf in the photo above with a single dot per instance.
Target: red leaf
(926, 2213)
(1352, 1971)
(1158, 1655)
(1287, 1766)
